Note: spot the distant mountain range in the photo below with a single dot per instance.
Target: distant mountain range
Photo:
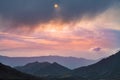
(70, 62)
(8, 73)
(106, 69)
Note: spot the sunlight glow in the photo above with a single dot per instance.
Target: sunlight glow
(56, 5)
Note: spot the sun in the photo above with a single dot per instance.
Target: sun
(56, 5)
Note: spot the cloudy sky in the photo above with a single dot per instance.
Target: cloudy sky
(79, 28)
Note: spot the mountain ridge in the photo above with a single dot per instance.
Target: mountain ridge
(43, 69)
(104, 69)
(70, 62)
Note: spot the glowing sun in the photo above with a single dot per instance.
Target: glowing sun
(56, 5)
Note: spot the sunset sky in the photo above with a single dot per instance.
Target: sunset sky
(79, 28)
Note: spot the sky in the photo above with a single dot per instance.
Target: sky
(79, 28)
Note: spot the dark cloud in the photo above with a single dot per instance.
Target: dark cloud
(26, 11)
(30, 12)
(97, 49)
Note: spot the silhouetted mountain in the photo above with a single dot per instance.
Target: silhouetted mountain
(8, 73)
(70, 62)
(106, 69)
(44, 69)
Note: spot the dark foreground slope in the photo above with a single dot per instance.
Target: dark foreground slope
(8, 73)
(106, 69)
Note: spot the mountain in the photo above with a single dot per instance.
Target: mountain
(8, 73)
(106, 69)
(70, 62)
(44, 69)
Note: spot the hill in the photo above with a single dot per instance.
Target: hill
(44, 69)
(8, 73)
(106, 69)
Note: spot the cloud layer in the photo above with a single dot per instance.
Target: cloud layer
(77, 28)
(32, 12)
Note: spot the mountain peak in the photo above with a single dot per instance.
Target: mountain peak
(55, 63)
(43, 69)
(37, 63)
